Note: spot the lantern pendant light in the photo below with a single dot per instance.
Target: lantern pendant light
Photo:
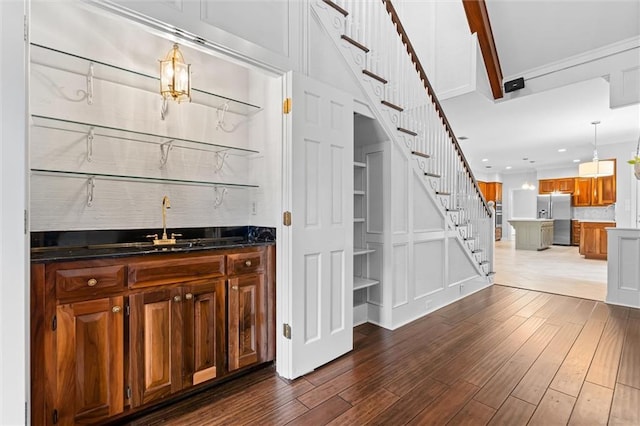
(175, 76)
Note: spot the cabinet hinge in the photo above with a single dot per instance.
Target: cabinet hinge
(286, 106)
(127, 309)
(54, 323)
(128, 392)
(54, 417)
(286, 331)
(286, 218)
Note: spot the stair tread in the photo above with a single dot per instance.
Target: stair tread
(390, 105)
(407, 131)
(375, 76)
(360, 46)
(420, 154)
(336, 7)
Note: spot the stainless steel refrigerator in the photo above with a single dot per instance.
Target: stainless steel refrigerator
(558, 208)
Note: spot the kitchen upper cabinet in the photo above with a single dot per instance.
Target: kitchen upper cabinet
(492, 191)
(561, 185)
(89, 352)
(604, 191)
(583, 190)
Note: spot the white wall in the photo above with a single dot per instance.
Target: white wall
(14, 299)
(511, 182)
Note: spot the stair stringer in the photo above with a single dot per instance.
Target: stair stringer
(389, 119)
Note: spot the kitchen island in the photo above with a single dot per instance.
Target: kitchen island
(533, 234)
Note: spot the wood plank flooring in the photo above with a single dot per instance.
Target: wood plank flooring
(502, 356)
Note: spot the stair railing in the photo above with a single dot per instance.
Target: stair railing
(370, 25)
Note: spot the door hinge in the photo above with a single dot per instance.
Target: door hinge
(286, 331)
(128, 392)
(26, 221)
(286, 218)
(127, 309)
(54, 417)
(286, 106)
(54, 323)
(26, 28)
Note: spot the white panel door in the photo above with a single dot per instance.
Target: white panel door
(321, 234)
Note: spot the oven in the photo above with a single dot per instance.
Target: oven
(498, 215)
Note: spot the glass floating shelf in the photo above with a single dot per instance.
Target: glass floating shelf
(132, 135)
(106, 176)
(77, 64)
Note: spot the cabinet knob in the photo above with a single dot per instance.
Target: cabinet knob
(92, 282)
(116, 309)
(177, 298)
(234, 287)
(248, 263)
(188, 296)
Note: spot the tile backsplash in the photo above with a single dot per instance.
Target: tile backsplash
(595, 213)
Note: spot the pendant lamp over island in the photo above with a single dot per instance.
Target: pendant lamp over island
(596, 168)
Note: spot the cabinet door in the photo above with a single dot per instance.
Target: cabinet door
(90, 359)
(155, 328)
(204, 332)
(546, 186)
(483, 189)
(582, 193)
(498, 191)
(565, 185)
(247, 320)
(604, 191)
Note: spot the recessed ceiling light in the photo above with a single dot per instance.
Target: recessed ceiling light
(508, 167)
(576, 161)
(562, 150)
(484, 160)
(462, 138)
(488, 167)
(532, 161)
(525, 158)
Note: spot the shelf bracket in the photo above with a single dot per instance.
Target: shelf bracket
(221, 113)
(164, 109)
(91, 184)
(219, 196)
(220, 159)
(164, 152)
(90, 84)
(90, 136)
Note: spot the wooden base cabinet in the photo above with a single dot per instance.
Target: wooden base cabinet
(90, 354)
(183, 327)
(593, 239)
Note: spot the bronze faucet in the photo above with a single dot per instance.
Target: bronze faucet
(166, 204)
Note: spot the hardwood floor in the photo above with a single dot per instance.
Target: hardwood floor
(558, 269)
(502, 356)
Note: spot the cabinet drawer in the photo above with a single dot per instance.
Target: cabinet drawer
(169, 271)
(245, 263)
(88, 281)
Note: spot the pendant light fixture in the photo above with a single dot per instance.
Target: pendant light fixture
(596, 168)
(175, 76)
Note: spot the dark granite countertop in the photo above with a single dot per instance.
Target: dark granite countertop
(79, 245)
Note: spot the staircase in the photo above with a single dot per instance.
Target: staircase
(375, 46)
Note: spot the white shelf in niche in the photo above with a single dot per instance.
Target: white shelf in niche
(77, 64)
(359, 283)
(133, 135)
(362, 251)
(358, 220)
(357, 192)
(359, 164)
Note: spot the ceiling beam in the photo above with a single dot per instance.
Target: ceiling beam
(478, 18)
